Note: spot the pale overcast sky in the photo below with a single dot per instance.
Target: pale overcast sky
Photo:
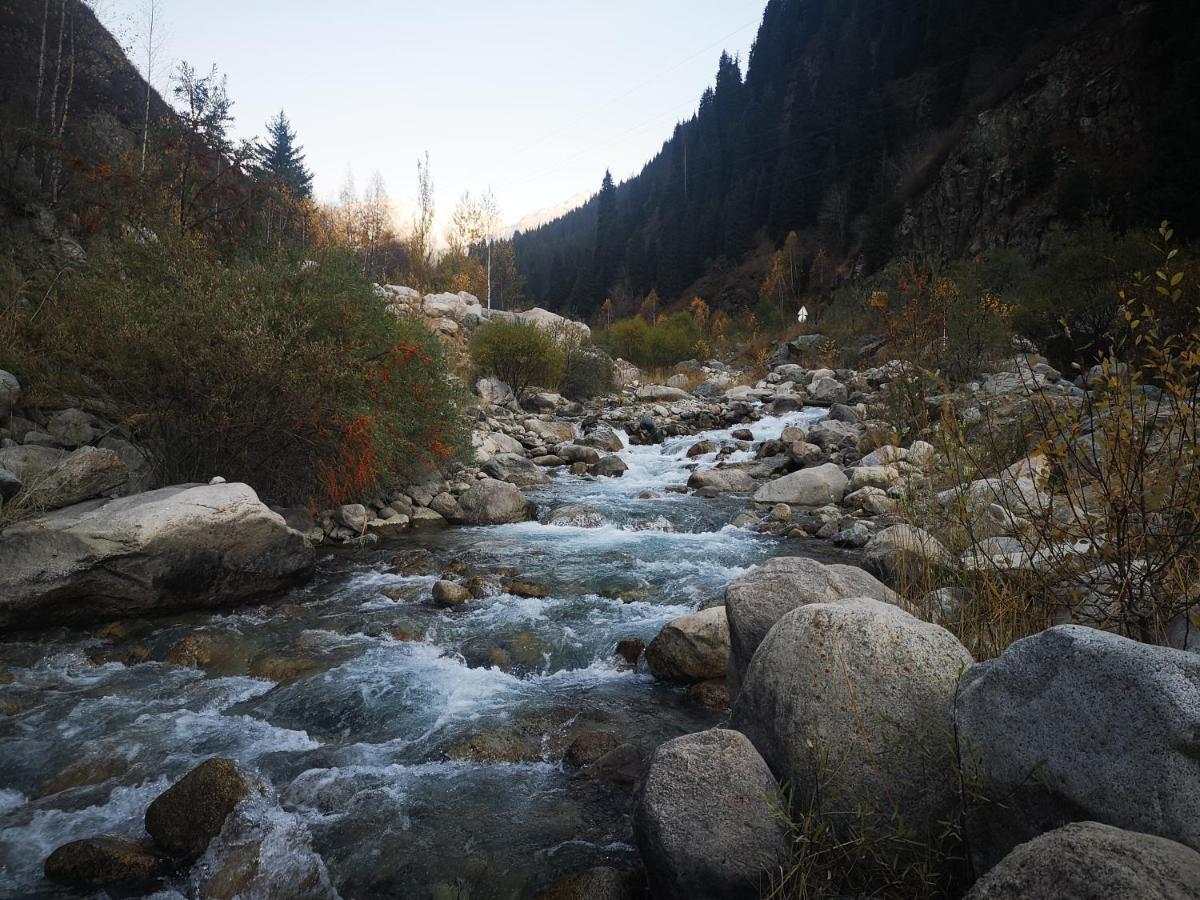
(532, 97)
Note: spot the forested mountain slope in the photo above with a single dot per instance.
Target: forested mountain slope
(876, 128)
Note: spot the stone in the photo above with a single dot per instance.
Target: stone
(551, 432)
(449, 594)
(760, 598)
(445, 506)
(189, 814)
(602, 439)
(826, 392)
(621, 765)
(87, 473)
(588, 747)
(706, 819)
(354, 516)
(904, 551)
(493, 444)
(722, 480)
(691, 648)
(426, 518)
(492, 502)
(575, 516)
(515, 469)
(660, 393)
(884, 456)
(625, 373)
(851, 703)
(106, 861)
(712, 694)
(10, 393)
(71, 428)
(165, 551)
(600, 883)
(831, 434)
(1077, 724)
(574, 453)
(609, 467)
(1090, 861)
(493, 391)
(10, 485)
(874, 476)
(631, 650)
(808, 487)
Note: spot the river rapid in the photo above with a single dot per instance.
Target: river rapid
(415, 750)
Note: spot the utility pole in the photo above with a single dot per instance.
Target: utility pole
(489, 272)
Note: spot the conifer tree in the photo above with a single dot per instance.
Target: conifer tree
(281, 158)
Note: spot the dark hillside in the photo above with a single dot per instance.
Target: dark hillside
(877, 128)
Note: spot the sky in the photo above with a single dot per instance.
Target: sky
(532, 99)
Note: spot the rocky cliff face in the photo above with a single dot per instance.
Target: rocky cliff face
(1071, 136)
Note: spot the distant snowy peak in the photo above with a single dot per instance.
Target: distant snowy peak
(549, 214)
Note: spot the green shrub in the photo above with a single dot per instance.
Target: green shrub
(670, 340)
(519, 354)
(588, 373)
(293, 377)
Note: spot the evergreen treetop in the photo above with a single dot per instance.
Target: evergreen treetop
(281, 158)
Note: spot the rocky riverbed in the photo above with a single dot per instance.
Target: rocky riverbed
(586, 664)
(416, 747)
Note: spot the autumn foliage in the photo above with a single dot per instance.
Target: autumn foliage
(286, 373)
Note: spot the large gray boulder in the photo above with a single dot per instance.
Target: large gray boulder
(724, 481)
(761, 597)
(903, 551)
(818, 486)
(691, 648)
(514, 469)
(178, 548)
(851, 702)
(1090, 861)
(1074, 724)
(706, 819)
(661, 393)
(492, 502)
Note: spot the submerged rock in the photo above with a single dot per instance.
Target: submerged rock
(706, 819)
(600, 883)
(188, 547)
(189, 814)
(106, 862)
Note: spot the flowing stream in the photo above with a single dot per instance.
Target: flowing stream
(419, 747)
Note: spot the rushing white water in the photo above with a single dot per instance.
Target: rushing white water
(362, 747)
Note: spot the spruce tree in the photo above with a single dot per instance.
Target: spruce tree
(281, 158)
